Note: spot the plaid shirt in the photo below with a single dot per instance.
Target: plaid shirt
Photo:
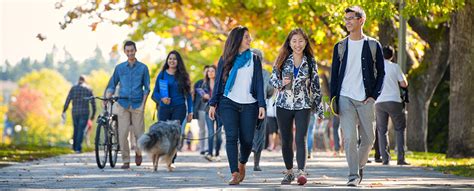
(80, 106)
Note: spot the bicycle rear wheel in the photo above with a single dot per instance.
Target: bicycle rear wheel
(114, 143)
(101, 146)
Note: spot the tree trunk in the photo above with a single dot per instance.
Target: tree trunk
(424, 80)
(461, 110)
(387, 32)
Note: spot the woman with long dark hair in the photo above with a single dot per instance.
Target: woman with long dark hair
(238, 97)
(176, 103)
(295, 75)
(213, 126)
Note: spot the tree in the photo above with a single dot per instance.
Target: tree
(198, 30)
(27, 100)
(461, 61)
(51, 90)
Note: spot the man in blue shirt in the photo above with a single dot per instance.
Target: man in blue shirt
(134, 79)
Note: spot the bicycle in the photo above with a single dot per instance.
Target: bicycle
(106, 137)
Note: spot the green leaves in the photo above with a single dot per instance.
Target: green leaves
(195, 26)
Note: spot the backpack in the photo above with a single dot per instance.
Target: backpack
(341, 48)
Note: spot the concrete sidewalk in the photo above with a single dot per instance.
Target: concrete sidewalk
(79, 171)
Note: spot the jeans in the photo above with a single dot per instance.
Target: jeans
(239, 122)
(80, 123)
(259, 137)
(177, 112)
(173, 113)
(202, 117)
(218, 136)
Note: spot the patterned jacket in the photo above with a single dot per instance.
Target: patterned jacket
(303, 94)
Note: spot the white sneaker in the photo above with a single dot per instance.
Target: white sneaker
(353, 182)
(217, 158)
(209, 158)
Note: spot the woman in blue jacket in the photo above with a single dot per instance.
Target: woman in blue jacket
(175, 101)
(238, 97)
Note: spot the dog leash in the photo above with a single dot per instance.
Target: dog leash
(183, 127)
(218, 130)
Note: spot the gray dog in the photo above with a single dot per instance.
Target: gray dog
(163, 139)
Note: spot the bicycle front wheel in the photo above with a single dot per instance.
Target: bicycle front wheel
(101, 146)
(114, 143)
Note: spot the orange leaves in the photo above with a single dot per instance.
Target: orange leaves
(93, 25)
(26, 101)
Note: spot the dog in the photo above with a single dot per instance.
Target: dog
(162, 140)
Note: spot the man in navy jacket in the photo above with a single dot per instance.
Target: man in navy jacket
(356, 81)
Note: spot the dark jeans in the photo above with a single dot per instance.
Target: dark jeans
(259, 138)
(285, 123)
(177, 112)
(80, 123)
(172, 113)
(211, 129)
(239, 122)
(337, 140)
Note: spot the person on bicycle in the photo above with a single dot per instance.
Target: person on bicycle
(80, 111)
(134, 79)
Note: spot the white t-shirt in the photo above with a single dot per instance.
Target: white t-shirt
(390, 89)
(240, 92)
(352, 84)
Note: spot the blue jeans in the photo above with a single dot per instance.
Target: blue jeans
(177, 112)
(80, 123)
(239, 122)
(312, 120)
(218, 136)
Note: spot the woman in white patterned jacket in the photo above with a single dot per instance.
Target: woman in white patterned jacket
(295, 76)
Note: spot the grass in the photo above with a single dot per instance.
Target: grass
(439, 162)
(22, 153)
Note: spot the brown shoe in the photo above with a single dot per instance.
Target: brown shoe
(125, 165)
(235, 179)
(138, 160)
(241, 171)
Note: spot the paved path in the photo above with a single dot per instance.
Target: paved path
(79, 171)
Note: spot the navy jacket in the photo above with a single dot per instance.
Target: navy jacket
(257, 83)
(372, 73)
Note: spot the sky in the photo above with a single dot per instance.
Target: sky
(22, 20)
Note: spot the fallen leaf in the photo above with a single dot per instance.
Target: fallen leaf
(376, 184)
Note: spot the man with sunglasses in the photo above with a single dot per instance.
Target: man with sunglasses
(356, 82)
